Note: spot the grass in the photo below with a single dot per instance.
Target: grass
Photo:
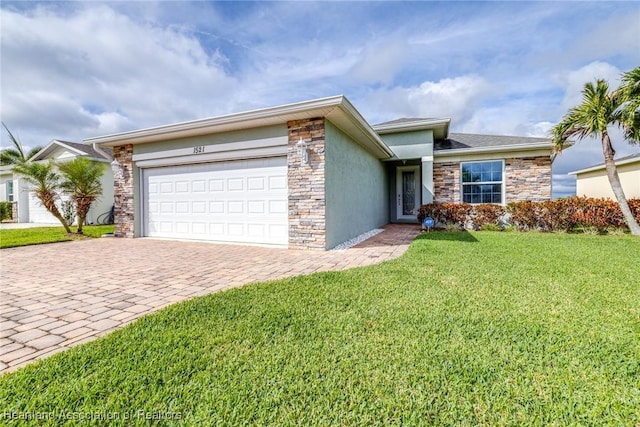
(470, 329)
(10, 238)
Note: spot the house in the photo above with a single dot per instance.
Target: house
(308, 175)
(593, 181)
(27, 207)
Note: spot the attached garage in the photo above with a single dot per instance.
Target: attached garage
(241, 201)
(256, 177)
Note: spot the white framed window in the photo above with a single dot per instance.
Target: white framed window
(483, 181)
(9, 190)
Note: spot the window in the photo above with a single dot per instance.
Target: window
(9, 191)
(482, 182)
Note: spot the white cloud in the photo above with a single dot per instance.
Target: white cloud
(129, 73)
(456, 97)
(380, 61)
(563, 185)
(574, 81)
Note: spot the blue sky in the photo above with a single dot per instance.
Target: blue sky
(73, 70)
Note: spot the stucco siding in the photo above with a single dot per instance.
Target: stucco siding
(596, 183)
(410, 145)
(356, 188)
(213, 139)
(105, 201)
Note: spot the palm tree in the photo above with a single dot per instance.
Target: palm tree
(591, 119)
(628, 98)
(12, 156)
(81, 180)
(45, 181)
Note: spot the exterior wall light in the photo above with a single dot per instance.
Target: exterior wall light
(303, 151)
(118, 169)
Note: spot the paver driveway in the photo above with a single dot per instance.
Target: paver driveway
(59, 295)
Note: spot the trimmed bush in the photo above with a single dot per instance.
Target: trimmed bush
(6, 210)
(563, 215)
(523, 215)
(486, 216)
(450, 215)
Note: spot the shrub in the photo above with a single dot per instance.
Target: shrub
(446, 214)
(523, 215)
(557, 215)
(599, 214)
(634, 205)
(6, 210)
(487, 214)
(563, 215)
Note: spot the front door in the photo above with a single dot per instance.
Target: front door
(407, 191)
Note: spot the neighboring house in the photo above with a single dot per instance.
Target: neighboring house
(309, 175)
(8, 189)
(27, 207)
(593, 181)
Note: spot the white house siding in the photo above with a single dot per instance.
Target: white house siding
(596, 183)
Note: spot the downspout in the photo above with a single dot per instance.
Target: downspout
(101, 151)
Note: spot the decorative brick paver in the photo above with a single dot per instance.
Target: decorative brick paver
(57, 296)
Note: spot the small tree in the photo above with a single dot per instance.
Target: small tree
(46, 181)
(81, 180)
(599, 110)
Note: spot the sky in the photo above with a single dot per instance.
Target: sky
(75, 70)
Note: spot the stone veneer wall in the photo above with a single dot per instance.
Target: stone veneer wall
(446, 182)
(306, 185)
(526, 178)
(123, 192)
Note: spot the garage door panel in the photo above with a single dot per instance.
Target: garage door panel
(239, 201)
(216, 185)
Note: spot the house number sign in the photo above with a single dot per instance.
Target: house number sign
(428, 222)
(198, 150)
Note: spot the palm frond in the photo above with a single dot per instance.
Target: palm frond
(627, 112)
(82, 177)
(15, 142)
(42, 175)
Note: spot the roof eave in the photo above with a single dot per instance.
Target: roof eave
(355, 123)
(335, 108)
(494, 149)
(41, 155)
(602, 166)
(416, 125)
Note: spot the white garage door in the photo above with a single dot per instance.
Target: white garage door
(241, 201)
(38, 213)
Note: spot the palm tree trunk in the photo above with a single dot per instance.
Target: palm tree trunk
(83, 204)
(48, 201)
(614, 180)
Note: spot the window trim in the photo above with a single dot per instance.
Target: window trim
(9, 196)
(501, 182)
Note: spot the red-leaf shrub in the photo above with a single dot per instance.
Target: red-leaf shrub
(446, 213)
(634, 205)
(523, 215)
(558, 215)
(486, 214)
(568, 214)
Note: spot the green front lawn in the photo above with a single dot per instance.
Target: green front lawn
(10, 238)
(465, 329)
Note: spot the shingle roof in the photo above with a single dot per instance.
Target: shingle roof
(87, 149)
(404, 120)
(469, 140)
(81, 149)
(621, 160)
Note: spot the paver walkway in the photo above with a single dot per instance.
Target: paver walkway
(56, 296)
